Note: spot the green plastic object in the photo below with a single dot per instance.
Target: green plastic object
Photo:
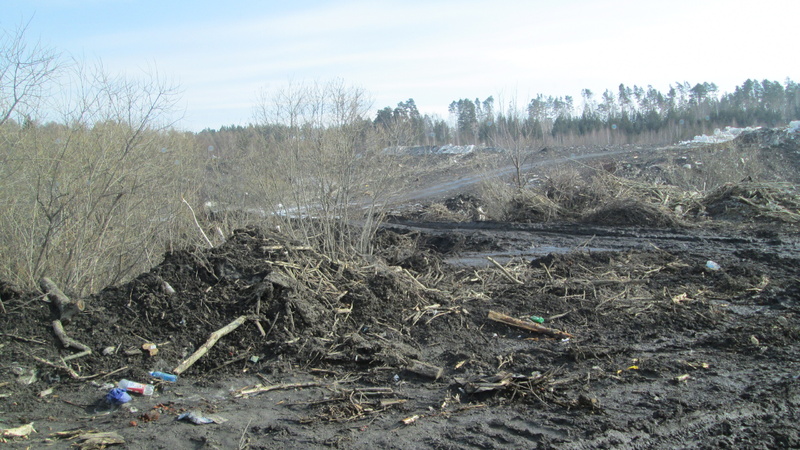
(537, 319)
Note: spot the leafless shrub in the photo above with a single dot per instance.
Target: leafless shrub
(716, 165)
(94, 199)
(571, 190)
(325, 177)
(25, 72)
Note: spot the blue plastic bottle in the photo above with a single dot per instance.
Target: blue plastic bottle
(164, 376)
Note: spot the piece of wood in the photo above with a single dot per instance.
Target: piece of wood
(215, 336)
(68, 342)
(203, 233)
(63, 306)
(424, 369)
(99, 439)
(526, 325)
(260, 328)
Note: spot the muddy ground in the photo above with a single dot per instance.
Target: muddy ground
(642, 345)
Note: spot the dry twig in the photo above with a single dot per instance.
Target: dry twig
(259, 388)
(215, 336)
(505, 271)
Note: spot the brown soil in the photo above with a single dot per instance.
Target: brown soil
(663, 352)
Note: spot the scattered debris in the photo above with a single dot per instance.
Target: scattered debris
(410, 420)
(91, 440)
(117, 396)
(139, 388)
(198, 418)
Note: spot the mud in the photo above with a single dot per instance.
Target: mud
(664, 352)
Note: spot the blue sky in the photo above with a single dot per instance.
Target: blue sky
(224, 53)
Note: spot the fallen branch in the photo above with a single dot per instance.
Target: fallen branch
(68, 342)
(208, 241)
(215, 336)
(526, 325)
(91, 439)
(505, 272)
(64, 307)
(71, 371)
(260, 328)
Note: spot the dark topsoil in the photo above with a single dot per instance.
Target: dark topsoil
(659, 352)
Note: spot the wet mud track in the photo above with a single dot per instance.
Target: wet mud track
(696, 358)
(468, 244)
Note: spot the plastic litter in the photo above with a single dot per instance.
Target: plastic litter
(198, 419)
(537, 319)
(164, 376)
(139, 388)
(117, 396)
(712, 265)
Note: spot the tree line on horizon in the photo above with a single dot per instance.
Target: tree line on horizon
(626, 115)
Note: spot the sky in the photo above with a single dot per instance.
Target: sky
(223, 55)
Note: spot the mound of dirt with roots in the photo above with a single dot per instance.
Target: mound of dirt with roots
(631, 212)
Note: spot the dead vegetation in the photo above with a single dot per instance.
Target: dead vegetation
(734, 181)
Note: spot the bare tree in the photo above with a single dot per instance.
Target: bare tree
(516, 138)
(25, 71)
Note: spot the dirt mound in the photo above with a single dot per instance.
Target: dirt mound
(531, 206)
(787, 137)
(778, 149)
(631, 212)
(297, 304)
(751, 201)
(460, 208)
